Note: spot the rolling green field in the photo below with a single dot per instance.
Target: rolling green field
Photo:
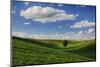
(31, 51)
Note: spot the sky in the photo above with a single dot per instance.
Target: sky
(53, 20)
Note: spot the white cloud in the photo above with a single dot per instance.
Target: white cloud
(77, 15)
(71, 32)
(46, 14)
(27, 23)
(69, 36)
(26, 3)
(81, 32)
(91, 30)
(57, 36)
(60, 5)
(13, 12)
(84, 23)
(19, 34)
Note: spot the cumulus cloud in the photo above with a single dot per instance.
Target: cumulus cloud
(19, 34)
(13, 12)
(27, 23)
(84, 23)
(26, 3)
(91, 30)
(77, 15)
(60, 5)
(57, 36)
(69, 36)
(46, 14)
(81, 32)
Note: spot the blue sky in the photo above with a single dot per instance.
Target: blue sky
(50, 18)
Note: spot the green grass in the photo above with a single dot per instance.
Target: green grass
(28, 51)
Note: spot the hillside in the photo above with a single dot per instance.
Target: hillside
(29, 51)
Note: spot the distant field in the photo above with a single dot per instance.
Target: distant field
(31, 51)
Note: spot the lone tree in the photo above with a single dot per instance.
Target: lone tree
(65, 43)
